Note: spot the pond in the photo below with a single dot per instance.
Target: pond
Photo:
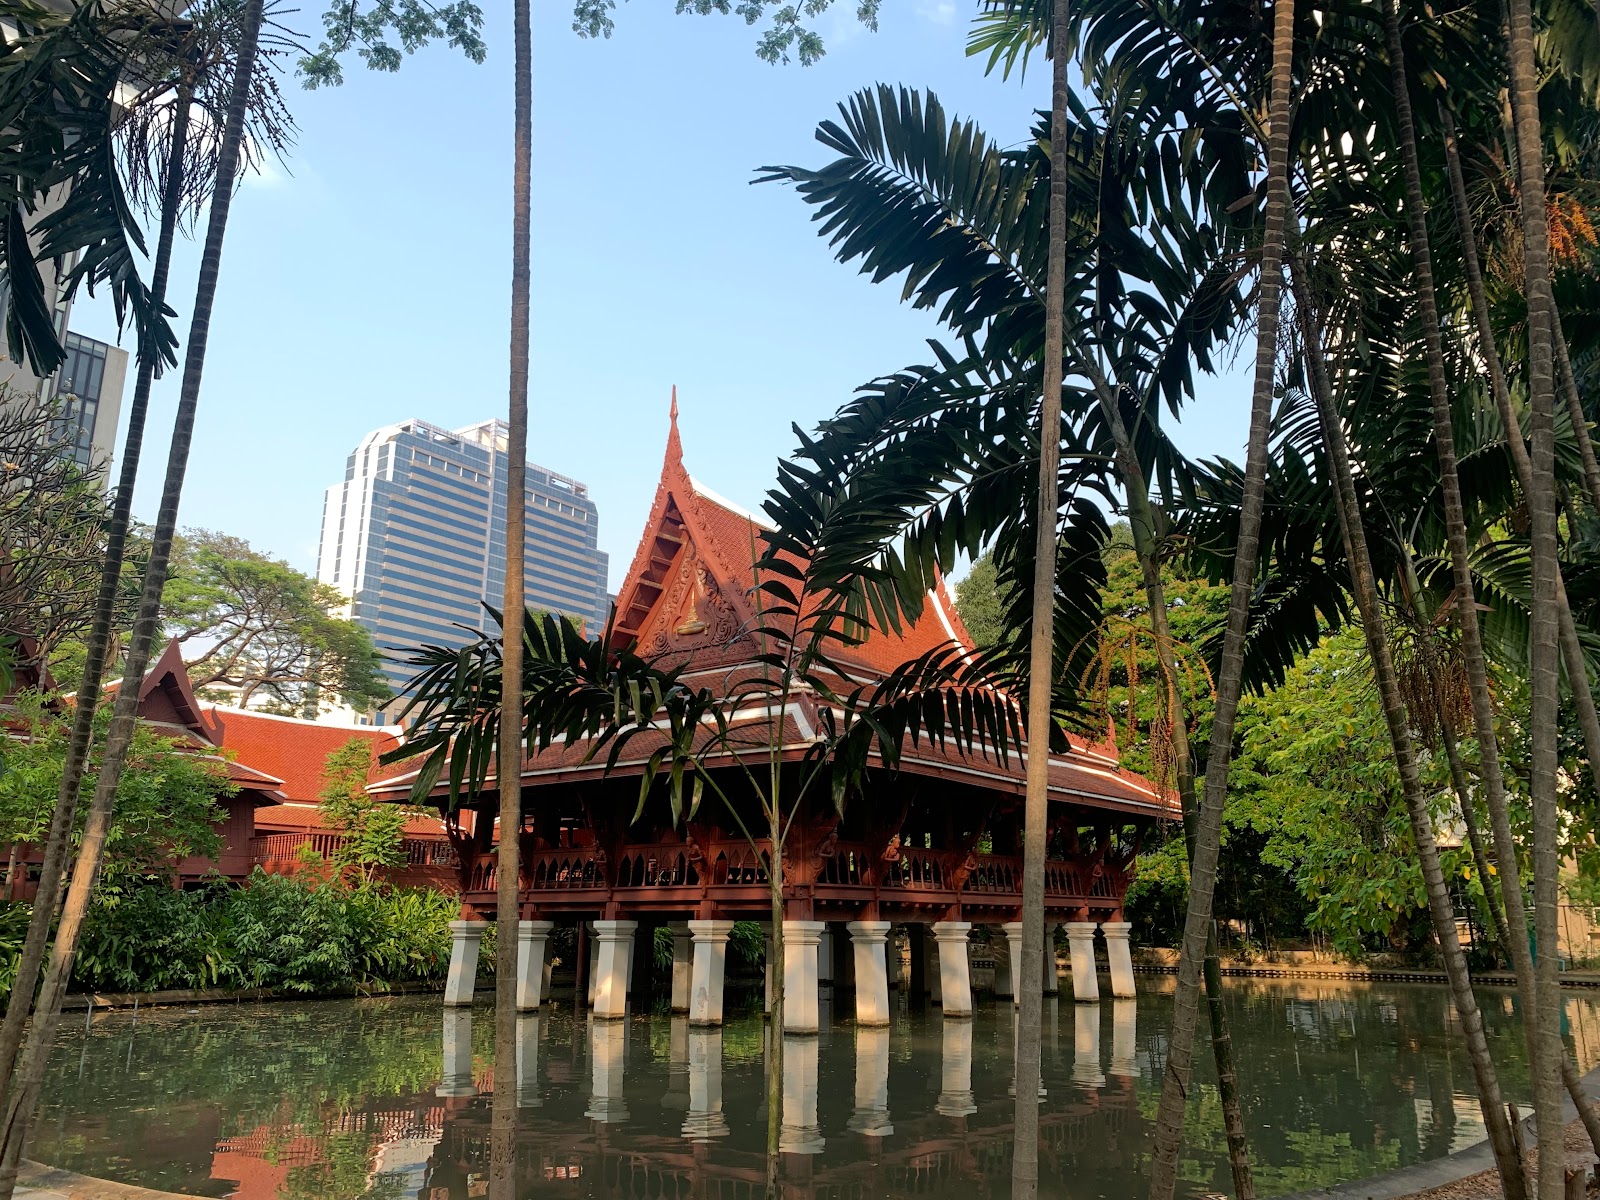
(389, 1098)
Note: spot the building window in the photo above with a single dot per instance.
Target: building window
(78, 387)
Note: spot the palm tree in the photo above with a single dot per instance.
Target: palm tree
(35, 1053)
(509, 771)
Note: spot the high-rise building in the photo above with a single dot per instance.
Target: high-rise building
(416, 537)
(88, 389)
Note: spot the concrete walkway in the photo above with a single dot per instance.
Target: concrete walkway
(1392, 1185)
(40, 1182)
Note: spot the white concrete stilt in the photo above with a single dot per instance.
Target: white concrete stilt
(868, 941)
(1119, 957)
(456, 1077)
(955, 968)
(955, 1075)
(1052, 978)
(594, 965)
(800, 942)
(705, 1121)
(528, 1028)
(607, 1058)
(1080, 942)
(799, 1132)
(1125, 1038)
(682, 965)
(532, 937)
(710, 965)
(1013, 961)
(871, 1118)
(1086, 1046)
(466, 940)
(825, 956)
(615, 960)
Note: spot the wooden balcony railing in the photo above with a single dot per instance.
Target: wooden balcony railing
(282, 849)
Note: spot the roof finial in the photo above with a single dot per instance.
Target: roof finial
(674, 404)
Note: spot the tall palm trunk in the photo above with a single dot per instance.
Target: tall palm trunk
(97, 647)
(1142, 523)
(1544, 682)
(1507, 1161)
(1197, 927)
(508, 772)
(1041, 662)
(1571, 648)
(1546, 1094)
(1580, 422)
(36, 1051)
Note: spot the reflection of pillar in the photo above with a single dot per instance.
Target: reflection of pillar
(1086, 1046)
(1052, 980)
(1005, 979)
(1080, 942)
(611, 973)
(871, 966)
(871, 1117)
(456, 1078)
(800, 1133)
(800, 943)
(1124, 1038)
(528, 1061)
(710, 962)
(705, 1120)
(1119, 957)
(677, 1096)
(531, 939)
(682, 965)
(607, 1050)
(955, 1075)
(825, 956)
(466, 939)
(955, 968)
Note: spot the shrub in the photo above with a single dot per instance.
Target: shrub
(152, 938)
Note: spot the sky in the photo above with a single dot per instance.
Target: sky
(366, 279)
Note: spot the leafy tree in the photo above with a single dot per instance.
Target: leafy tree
(371, 830)
(979, 603)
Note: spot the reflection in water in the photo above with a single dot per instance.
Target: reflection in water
(377, 1099)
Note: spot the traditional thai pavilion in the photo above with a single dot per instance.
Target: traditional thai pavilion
(934, 846)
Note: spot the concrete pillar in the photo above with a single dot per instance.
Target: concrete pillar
(1005, 982)
(682, 965)
(594, 964)
(1125, 1038)
(825, 956)
(800, 1132)
(607, 1055)
(1086, 1046)
(1080, 942)
(1119, 957)
(466, 940)
(871, 1118)
(932, 978)
(955, 968)
(456, 1077)
(528, 1027)
(705, 1122)
(872, 977)
(955, 1075)
(800, 941)
(1052, 980)
(611, 973)
(532, 936)
(710, 964)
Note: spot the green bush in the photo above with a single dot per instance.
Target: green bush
(153, 938)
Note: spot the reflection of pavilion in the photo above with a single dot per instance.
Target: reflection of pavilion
(934, 847)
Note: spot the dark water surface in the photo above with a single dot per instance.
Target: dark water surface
(390, 1098)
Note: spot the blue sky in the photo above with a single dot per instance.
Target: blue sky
(367, 280)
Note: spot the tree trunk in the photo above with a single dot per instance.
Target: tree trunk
(1507, 1161)
(508, 772)
(1580, 422)
(36, 1051)
(11, 870)
(1197, 926)
(1142, 524)
(775, 969)
(97, 646)
(1041, 660)
(1544, 683)
(1546, 1100)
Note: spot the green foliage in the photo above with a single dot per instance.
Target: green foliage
(371, 830)
(374, 30)
(788, 34)
(979, 603)
(166, 805)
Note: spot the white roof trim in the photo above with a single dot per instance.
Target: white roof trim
(739, 510)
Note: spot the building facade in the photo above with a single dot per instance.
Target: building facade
(88, 389)
(415, 536)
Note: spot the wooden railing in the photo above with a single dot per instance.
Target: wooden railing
(283, 848)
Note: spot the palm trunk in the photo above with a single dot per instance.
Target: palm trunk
(1041, 661)
(1197, 926)
(1142, 523)
(1546, 1099)
(1544, 682)
(508, 773)
(1469, 820)
(36, 1051)
(775, 969)
(58, 840)
(1580, 422)
(1507, 1161)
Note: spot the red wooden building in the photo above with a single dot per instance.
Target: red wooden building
(934, 847)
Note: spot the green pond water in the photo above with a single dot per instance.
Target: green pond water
(390, 1098)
